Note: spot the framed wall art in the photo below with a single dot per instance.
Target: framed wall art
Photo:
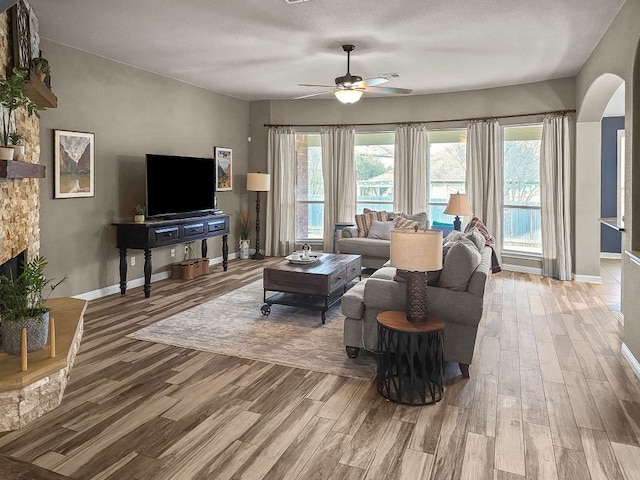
(224, 168)
(74, 164)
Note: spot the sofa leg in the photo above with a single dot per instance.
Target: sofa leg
(352, 352)
(464, 368)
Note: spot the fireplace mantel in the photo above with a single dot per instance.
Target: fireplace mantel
(14, 169)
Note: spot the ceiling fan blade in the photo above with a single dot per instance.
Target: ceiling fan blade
(315, 94)
(398, 91)
(370, 82)
(315, 85)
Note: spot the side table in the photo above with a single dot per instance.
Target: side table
(410, 359)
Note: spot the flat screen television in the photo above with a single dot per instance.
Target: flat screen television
(180, 187)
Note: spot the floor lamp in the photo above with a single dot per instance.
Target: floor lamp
(458, 205)
(258, 182)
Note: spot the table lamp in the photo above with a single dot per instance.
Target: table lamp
(258, 182)
(416, 252)
(459, 206)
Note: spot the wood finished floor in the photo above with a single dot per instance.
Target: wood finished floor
(550, 397)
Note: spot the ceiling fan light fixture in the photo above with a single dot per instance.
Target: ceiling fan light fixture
(347, 95)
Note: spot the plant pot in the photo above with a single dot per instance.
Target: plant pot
(42, 76)
(37, 334)
(18, 152)
(6, 153)
(138, 218)
(244, 249)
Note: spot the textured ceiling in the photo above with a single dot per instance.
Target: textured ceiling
(261, 49)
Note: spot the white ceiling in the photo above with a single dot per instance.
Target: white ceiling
(261, 49)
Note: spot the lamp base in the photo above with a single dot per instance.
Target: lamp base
(417, 297)
(257, 256)
(457, 224)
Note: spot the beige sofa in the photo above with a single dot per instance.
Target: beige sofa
(460, 310)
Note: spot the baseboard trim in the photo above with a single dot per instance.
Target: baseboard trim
(611, 255)
(631, 359)
(521, 269)
(138, 282)
(587, 278)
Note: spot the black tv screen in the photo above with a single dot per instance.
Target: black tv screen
(179, 187)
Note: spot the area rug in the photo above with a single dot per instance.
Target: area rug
(233, 325)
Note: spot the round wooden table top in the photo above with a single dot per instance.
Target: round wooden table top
(397, 320)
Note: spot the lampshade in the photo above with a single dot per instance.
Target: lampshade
(419, 251)
(458, 205)
(348, 95)
(258, 182)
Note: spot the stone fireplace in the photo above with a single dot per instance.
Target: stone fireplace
(19, 198)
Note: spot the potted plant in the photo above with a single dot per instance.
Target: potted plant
(22, 305)
(139, 213)
(41, 67)
(15, 140)
(244, 229)
(13, 95)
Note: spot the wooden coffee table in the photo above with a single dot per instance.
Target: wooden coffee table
(316, 286)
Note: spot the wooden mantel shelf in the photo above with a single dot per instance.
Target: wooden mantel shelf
(40, 94)
(14, 169)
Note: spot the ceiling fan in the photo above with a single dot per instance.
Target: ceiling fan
(349, 88)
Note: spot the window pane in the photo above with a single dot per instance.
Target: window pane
(522, 231)
(309, 221)
(447, 168)
(309, 187)
(521, 227)
(374, 170)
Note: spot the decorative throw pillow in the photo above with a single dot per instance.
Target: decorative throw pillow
(421, 218)
(401, 222)
(363, 222)
(458, 265)
(476, 237)
(380, 230)
(477, 223)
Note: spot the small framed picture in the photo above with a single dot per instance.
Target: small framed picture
(224, 168)
(74, 164)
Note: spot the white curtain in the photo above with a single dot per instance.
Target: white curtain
(339, 177)
(281, 200)
(410, 169)
(484, 175)
(555, 192)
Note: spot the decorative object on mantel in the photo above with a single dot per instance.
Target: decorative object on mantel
(258, 182)
(139, 211)
(22, 306)
(74, 170)
(41, 68)
(224, 168)
(13, 95)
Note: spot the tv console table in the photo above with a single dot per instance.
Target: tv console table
(161, 233)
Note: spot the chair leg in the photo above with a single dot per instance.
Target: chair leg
(352, 352)
(464, 368)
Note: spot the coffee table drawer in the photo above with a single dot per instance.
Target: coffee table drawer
(298, 282)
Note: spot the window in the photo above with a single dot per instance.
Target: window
(374, 171)
(309, 188)
(447, 169)
(521, 223)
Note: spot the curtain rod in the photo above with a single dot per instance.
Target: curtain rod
(268, 125)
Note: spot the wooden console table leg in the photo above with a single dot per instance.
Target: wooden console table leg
(123, 270)
(225, 252)
(204, 248)
(147, 273)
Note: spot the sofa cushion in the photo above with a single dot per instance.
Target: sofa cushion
(421, 218)
(352, 303)
(380, 230)
(363, 221)
(401, 222)
(459, 263)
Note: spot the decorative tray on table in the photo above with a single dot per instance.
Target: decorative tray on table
(297, 259)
